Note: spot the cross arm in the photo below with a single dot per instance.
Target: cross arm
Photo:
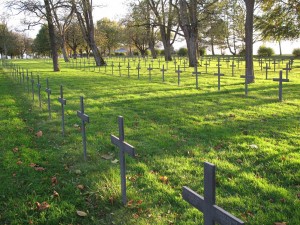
(62, 101)
(193, 198)
(225, 218)
(219, 74)
(282, 80)
(83, 116)
(129, 149)
(48, 90)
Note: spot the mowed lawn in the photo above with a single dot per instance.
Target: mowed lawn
(253, 141)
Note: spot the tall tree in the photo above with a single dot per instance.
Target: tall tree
(165, 14)
(74, 37)
(84, 12)
(41, 44)
(41, 9)
(249, 40)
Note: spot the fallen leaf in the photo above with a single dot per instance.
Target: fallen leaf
(19, 162)
(135, 216)
(16, 149)
(54, 181)
(55, 194)
(32, 165)
(14, 174)
(78, 172)
(81, 213)
(280, 223)
(42, 206)
(239, 161)
(139, 202)
(39, 168)
(253, 146)
(164, 179)
(298, 195)
(39, 133)
(107, 156)
(129, 203)
(115, 161)
(76, 125)
(80, 187)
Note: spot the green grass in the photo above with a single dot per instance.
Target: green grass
(174, 130)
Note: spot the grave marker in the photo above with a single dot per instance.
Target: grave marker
(219, 74)
(128, 69)
(163, 72)
(232, 68)
(48, 91)
(178, 71)
(27, 80)
(207, 203)
(196, 73)
(206, 64)
(280, 80)
(84, 119)
(39, 90)
(287, 69)
(63, 102)
(274, 63)
(138, 69)
(119, 69)
(267, 68)
(124, 148)
(32, 87)
(149, 69)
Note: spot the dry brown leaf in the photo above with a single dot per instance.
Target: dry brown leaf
(80, 187)
(39, 133)
(39, 168)
(129, 203)
(164, 179)
(55, 194)
(54, 181)
(280, 223)
(139, 202)
(81, 213)
(19, 162)
(15, 150)
(135, 216)
(42, 206)
(32, 165)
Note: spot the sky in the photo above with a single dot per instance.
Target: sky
(116, 9)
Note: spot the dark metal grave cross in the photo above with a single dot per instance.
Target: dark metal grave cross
(178, 71)
(267, 68)
(184, 65)
(207, 203)
(219, 74)
(206, 64)
(287, 69)
(48, 91)
(175, 63)
(280, 80)
(63, 102)
(119, 66)
(27, 80)
(124, 148)
(274, 63)
(247, 78)
(149, 69)
(138, 69)
(84, 119)
(196, 73)
(163, 73)
(39, 90)
(32, 87)
(232, 66)
(112, 68)
(128, 69)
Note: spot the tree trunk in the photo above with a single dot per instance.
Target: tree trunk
(212, 47)
(166, 44)
(280, 50)
(64, 51)
(249, 40)
(52, 36)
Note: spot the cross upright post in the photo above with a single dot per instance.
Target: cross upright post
(280, 80)
(124, 148)
(267, 68)
(149, 69)
(63, 102)
(274, 62)
(206, 64)
(196, 73)
(287, 69)
(219, 74)
(184, 63)
(39, 90)
(112, 68)
(27, 80)
(32, 87)
(128, 69)
(232, 66)
(138, 69)
(207, 203)
(48, 91)
(84, 119)
(163, 72)
(119, 68)
(178, 74)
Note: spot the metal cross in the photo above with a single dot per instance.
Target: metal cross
(287, 69)
(48, 91)
(280, 80)
(128, 69)
(267, 68)
(32, 86)
(124, 148)
(196, 73)
(163, 72)
(84, 119)
(178, 71)
(207, 203)
(219, 74)
(149, 69)
(138, 69)
(39, 90)
(63, 102)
